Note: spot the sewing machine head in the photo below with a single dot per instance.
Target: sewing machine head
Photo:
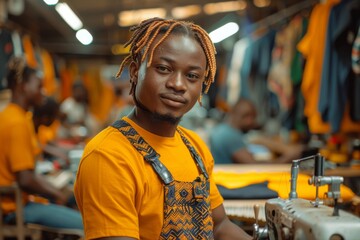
(301, 219)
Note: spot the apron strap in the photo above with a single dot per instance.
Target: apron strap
(194, 154)
(149, 154)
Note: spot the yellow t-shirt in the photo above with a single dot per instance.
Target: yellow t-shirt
(119, 194)
(17, 150)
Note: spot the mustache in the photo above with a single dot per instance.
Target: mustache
(157, 116)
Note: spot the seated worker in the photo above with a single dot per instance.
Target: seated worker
(76, 119)
(17, 154)
(229, 143)
(145, 177)
(46, 126)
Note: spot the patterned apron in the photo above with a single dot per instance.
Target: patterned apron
(187, 213)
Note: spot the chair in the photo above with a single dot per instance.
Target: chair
(29, 230)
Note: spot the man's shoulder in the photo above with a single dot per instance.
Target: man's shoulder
(106, 141)
(13, 115)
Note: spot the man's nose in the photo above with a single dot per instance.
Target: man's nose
(177, 81)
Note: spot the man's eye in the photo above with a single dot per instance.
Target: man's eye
(162, 68)
(193, 76)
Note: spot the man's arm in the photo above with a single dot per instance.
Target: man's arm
(224, 229)
(286, 151)
(32, 183)
(243, 156)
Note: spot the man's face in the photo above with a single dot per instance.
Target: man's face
(171, 85)
(246, 116)
(33, 90)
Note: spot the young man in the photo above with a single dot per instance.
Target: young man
(18, 149)
(145, 177)
(230, 144)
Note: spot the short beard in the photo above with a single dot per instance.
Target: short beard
(157, 116)
(166, 118)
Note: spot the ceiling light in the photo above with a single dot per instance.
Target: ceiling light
(51, 2)
(129, 18)
(69, 16)
(224, 32)
(262, 3)
(231, 6)
(84, 36)
(185, 11)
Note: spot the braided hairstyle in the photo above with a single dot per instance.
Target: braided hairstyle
(146, 32)
(18, 72)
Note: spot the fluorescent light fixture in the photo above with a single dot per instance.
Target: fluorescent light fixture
(185, 11)
(132, 17)
(231, 6)
(224, 32)
(69, 16)
(84, 36)
(51, 2)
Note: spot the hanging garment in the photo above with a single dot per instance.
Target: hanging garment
(312, 48)
(254, 73)
(30, 53)
(50, 83)
(18, 48)
(233, 81)
(6, 51)
(355, 83)
(336, 72)
(187, 213)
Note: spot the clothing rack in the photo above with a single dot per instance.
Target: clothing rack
(283, 14)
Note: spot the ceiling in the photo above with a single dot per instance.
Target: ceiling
(100, 18)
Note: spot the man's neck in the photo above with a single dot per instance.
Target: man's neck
(156, 126)
(20, 101)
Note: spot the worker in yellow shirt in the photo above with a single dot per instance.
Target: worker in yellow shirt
(145, 177)
(18, 149)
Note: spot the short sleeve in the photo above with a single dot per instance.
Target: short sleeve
(107, 207)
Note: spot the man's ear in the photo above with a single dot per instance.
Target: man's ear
(134, 71)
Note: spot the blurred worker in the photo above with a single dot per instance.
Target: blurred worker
(229, 142)
(17, 154)
(76, 119)
(46, 123)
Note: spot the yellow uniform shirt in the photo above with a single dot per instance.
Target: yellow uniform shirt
(119, 194)
(17, 149)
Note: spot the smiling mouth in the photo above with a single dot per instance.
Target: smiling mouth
(173, 100)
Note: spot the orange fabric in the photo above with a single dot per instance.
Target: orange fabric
(347, 124)
(17, 150)
(278, 181)
(66, 83)
(312, 46)
(47, 134)
(50, 84)
(136, 208)
(68, 75)
(104, 106)
(95, 88)
(29, 51)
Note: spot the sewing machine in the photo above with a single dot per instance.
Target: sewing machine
(301, 219)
